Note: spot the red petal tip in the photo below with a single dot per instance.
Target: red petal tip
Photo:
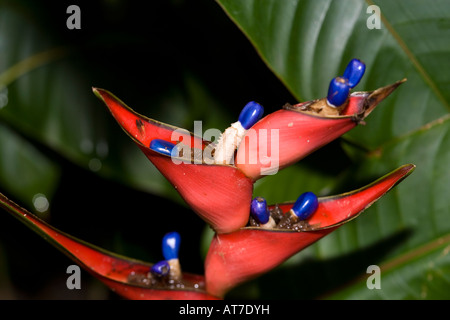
(249, 252)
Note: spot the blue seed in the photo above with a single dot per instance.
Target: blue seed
(305, 205)
(164, 147)
(338, 91)
(160, 268)
(250, 114)
(354, 72)
(171, 245)
(259, 210)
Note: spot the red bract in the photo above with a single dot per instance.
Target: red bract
(113, 270)
(246, 253)
(220, 193)
(301, 129)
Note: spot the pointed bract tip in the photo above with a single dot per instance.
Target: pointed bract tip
(103, 94)
(96, 91)
(378, 95)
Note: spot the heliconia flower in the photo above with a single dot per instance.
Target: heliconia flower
(242, 255)
(218, 193)
(125, 276)
(286, 136)
(221, 193)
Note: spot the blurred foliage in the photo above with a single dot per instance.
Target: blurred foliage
(179, 61)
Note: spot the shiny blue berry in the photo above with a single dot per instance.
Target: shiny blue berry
(354, 72)
(250, 114)
(171, 245)
(259, 210)
(164, 147)
(338, 91)
(305, 205)
(160, 268)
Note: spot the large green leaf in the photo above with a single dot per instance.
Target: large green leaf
(26, 172)
(306, 43)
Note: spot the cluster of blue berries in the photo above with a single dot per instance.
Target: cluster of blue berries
(339, 88)
(303, 208)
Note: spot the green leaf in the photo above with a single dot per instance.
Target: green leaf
(306, 44)
(26, 172)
